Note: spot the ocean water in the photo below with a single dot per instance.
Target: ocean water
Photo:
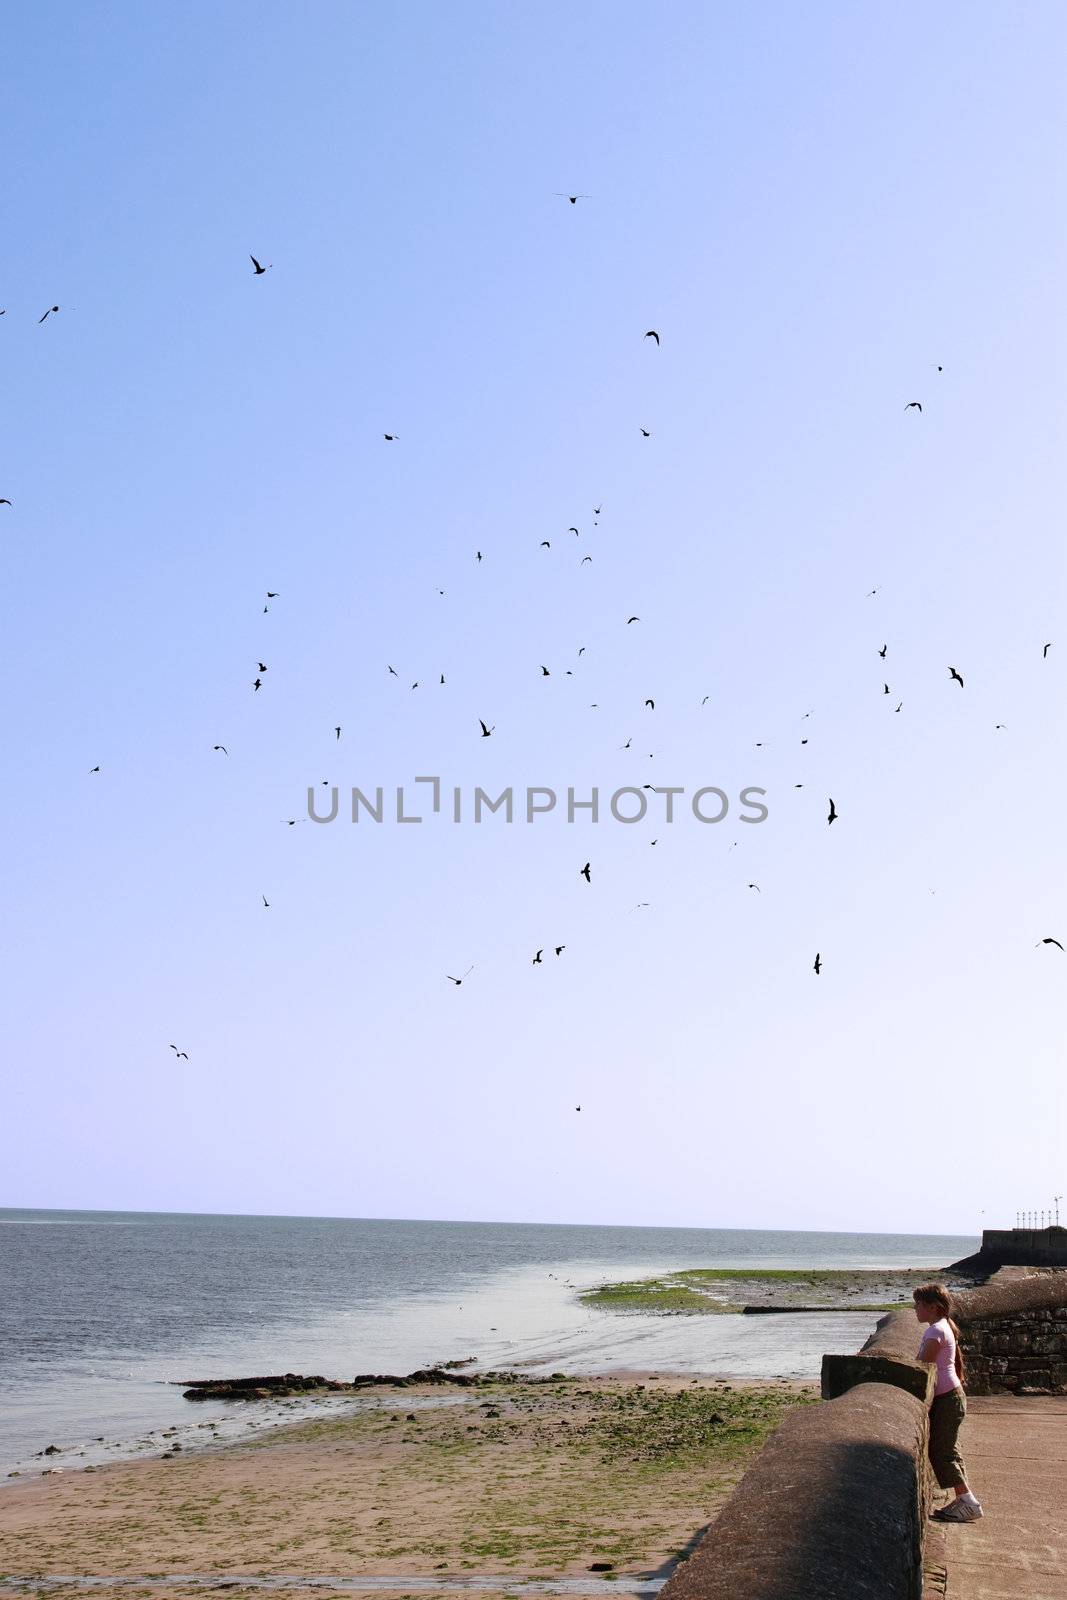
(104, 1314)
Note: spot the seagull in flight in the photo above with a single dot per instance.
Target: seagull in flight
(485, 731)
(1044, 652)
(337, 731)
(833, 813)
(652, 334)
(5, 502)
(632, 619)
(914, 404)
(266, 902)
(221, 747)
(180, 1054)
(94, 769)
(646, 433)
(390, 437)
(573, 198)
(559, 948)
(537, 962)
(48, 313)
(818, 963)
(458, 981)
(651, 703)
(584, 873)
(954, 674)
(1056, 942)
(883, 650)
(258, 270)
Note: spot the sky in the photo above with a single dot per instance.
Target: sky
(826, 212)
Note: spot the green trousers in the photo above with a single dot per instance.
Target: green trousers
(946, 1414)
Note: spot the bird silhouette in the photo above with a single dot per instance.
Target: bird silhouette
(584, 559)
(577, 1108)
(258, 684)
(266, 902)
(393, 671)
(913, 404)
(573, 198)
(259, 271)
(756, 887)
(652, 334)
(1044, 652)
(485, 731)
(559, 948)
(221, 747)
(390, 437)
(632, 619)
(180, 1055)
(262, 667)
(833, 813)
(883, 650)
(954, 674)
(651, 703)
(885, 688)
(818, 963)
(94, 769)
(477, 555)
(48, 313)
(337, 731)
(272, 594)
(646, 433)
(537, 962)
(1056, 942)
(575, 532)
(6, 502)
(584, 873)
(545, 672)
(458, 981)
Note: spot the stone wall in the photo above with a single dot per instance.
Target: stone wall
(834, 1508)
(1014, 1335)
(1019, 1247)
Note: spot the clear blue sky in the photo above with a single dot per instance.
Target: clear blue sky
(816, 207)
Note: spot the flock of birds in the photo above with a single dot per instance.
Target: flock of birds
(486, 731)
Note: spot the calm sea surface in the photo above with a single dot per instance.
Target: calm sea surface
(102, 1312)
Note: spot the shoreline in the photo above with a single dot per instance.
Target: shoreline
(516, 1478)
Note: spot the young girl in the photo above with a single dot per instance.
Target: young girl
(940, 1344)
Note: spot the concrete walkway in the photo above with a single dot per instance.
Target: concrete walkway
(1016, 1457)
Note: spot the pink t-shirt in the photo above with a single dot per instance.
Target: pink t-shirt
(938, 1344)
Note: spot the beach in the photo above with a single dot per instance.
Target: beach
(524, 1479)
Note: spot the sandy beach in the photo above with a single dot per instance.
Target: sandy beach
(526, 1480)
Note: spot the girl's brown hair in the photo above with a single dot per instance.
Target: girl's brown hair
(935, 1294)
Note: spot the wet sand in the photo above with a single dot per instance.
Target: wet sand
(525, 1481)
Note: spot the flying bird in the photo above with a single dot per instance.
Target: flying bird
(652, 334)
(337, 731)
(259, 271)
(575, 532)
(477, 555)
(94, 769)
(573, 198)
(833, 813)
(885, 688)
(262, 667)
(258, 684)
(48, 313)
(756, 887)
(818, 963)
(1044, 652)
(646, 433)
(221, 747)
(266, 902)
(393, 671)
(596, 511)
(954, 674)
(1056, 942)
(913, 404)
(584, 873)
(584, 559)
(458, 981)
(180, 1054)
(485, 731)
(272, 594)
(545, 672)
(390, 437)
(537, 962)
(559, 948)
(8, 502)
(545, 545)
(632, 619)
(651, 703)
(883, 650)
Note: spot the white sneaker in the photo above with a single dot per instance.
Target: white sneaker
(958, 1511)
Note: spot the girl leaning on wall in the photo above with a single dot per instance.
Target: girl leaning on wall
(940, 1345)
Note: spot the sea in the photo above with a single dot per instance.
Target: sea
(104, 1316)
